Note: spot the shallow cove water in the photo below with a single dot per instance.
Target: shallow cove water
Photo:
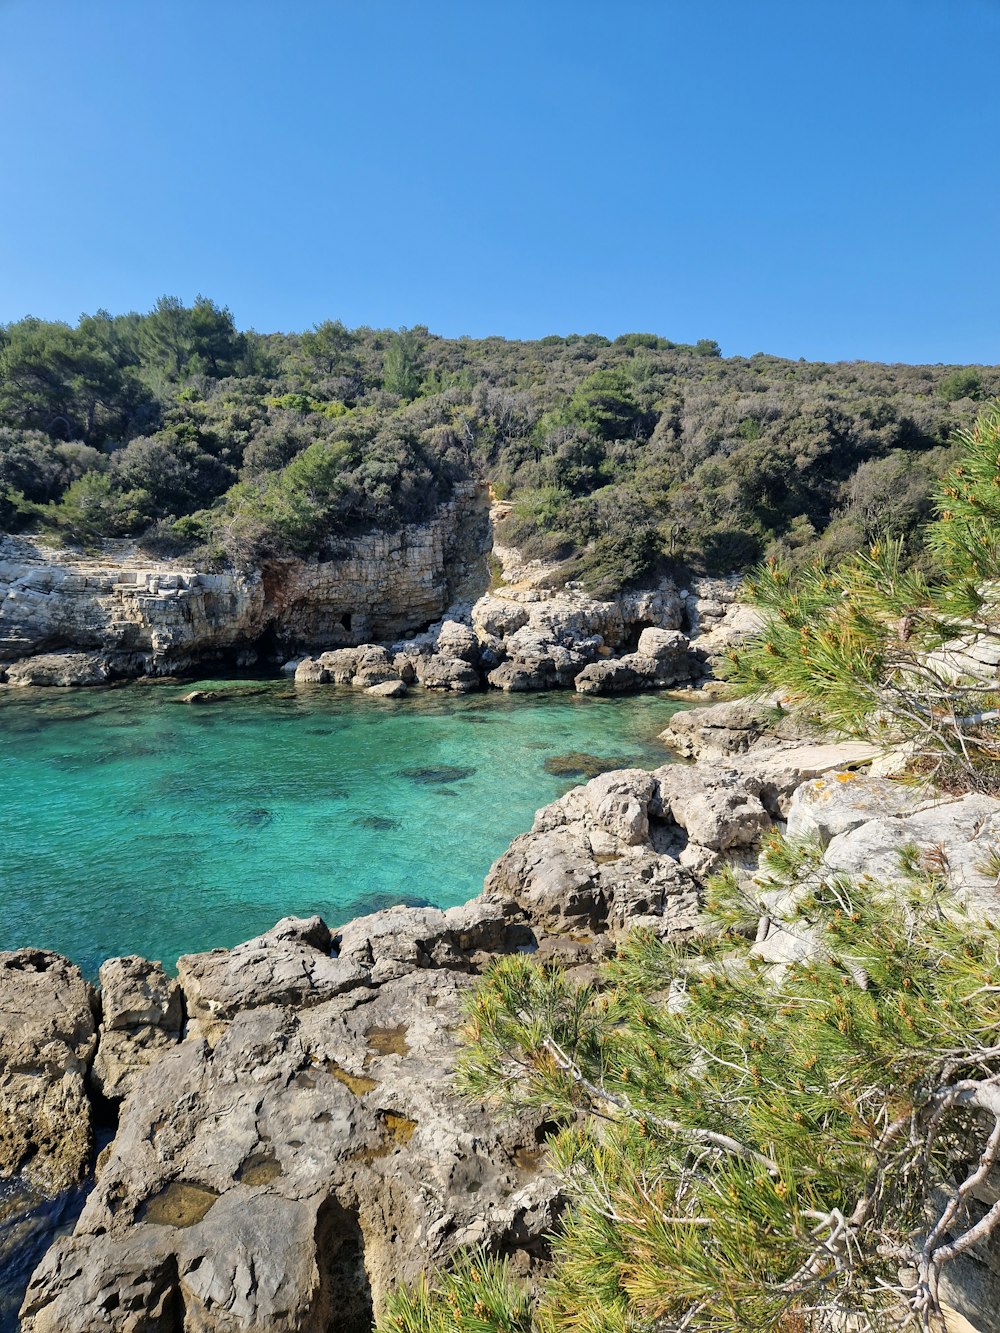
(133, 823)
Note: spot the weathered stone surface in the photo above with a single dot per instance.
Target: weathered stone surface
(842, 801)
(291, 965)
(390, 943)
(313, 1157)
(720, 809)
(59, 669)
(718, 730)
(662, 645)
(456, 640)
(667, 662)
(782, 768)
(518, 678)
(715, 617)
(611, 676)
(47, 1040)
(141, 1016)
(593, 861)
(310, 672)
(956, 839)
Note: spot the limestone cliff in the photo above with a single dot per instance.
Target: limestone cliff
(160, 616)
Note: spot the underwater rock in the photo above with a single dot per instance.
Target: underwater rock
(579, 764)
(388, 689)
(60, 670)
(259, 817)
(432, 776)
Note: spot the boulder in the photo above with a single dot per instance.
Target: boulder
(388, 689)
(48, 1035)
(374, 666)
(448, 673)
(594, 862)
(60, 669)
(783, 768)
(456, 640)
(720, 809)
(141, 1017)
(498, 617)
(611, 676)
(308, 671)
(340, 664)
(719, 730)
(663, 645)
(518, 677)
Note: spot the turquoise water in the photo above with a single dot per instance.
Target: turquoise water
(133, 823)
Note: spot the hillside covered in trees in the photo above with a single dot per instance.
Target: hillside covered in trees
(177, 429)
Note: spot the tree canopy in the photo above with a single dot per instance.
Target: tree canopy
(619, 456)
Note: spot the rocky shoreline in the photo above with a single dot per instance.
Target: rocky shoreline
(287, 1139)
(414, 607)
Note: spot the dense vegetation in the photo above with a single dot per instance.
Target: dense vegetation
(782, 1155)
(176, 428)
(879, 649)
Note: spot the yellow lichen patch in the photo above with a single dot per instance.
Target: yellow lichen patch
(359, 1084)
(388, 1041)
(180, 1204)
(398, 1131)
(846, 777)
(400, 1127)
(528, 1158)
(260, 1168)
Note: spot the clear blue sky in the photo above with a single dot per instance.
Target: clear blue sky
(815, 178)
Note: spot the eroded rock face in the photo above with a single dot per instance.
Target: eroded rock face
(141, 1017)
(312, 1154)
(48, 1035)
(289, 965)
(956, 838)
(145, 616)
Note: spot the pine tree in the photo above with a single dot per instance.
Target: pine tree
(743, 1153)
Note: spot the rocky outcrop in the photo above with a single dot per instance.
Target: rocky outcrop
(303, 1149)
(715, 617)
(516, 646)
(48, 1035)
(719, 730)
(663, 657)
(297, 1148)
(864, 823)
(145, 616)
(623, 850)
(59, 669)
